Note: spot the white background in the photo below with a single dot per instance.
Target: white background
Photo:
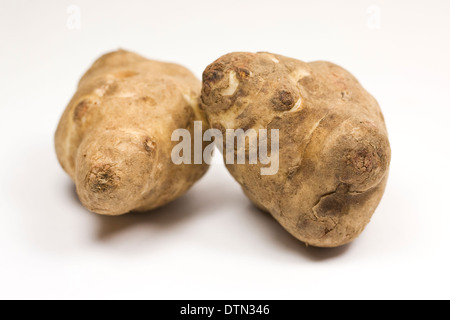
(212, 243)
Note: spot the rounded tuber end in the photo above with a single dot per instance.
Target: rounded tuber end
(363, 153)
(352, 177)
(114, 171)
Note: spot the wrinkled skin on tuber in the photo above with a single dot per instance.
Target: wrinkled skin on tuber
(334, 152)
(114, 139)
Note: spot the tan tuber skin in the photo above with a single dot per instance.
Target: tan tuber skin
(114, 139)
(334, 150)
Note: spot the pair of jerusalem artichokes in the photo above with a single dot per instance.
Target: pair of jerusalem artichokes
(332, 154)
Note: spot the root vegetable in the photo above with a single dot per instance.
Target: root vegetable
(334, 151)
(114, 139)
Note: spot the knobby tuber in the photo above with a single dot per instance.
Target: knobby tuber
(334, 151)
(114, 139)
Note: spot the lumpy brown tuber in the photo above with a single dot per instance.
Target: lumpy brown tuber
(114, 139)
(334, 151)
